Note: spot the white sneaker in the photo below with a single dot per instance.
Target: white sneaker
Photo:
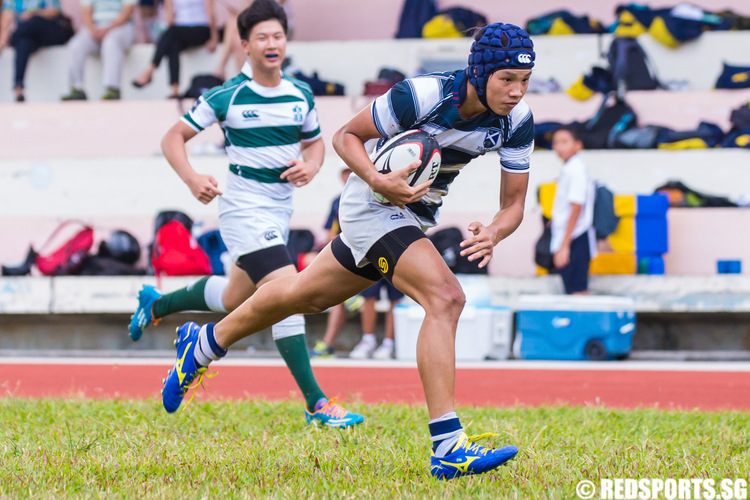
(363, 350)
(383, 352)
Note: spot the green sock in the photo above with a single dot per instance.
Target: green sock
(190, 298)
(294, 351)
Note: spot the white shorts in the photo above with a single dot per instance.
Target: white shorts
(249, 222)
(364, 220)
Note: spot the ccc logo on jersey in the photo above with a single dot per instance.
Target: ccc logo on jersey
(383, 265)
(250, 114)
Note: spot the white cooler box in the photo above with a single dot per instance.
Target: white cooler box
(484, 332)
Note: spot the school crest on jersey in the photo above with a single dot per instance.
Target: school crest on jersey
(492, 139)
(298, 116)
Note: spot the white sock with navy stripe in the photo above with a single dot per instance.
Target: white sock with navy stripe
(207, 349)
(444, 433)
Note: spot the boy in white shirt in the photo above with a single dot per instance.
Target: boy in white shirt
(573, 242)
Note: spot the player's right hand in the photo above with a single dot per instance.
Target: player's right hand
(396, 189)
(204, 188)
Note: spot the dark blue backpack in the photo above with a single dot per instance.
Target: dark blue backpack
(630, 66)
(739, 138)
(602, 130)
(709, 133)
(413, 16)
(318, 86)
(578, 24)
(212, 243)
(543, 132)
(733, 77)
(605, 219)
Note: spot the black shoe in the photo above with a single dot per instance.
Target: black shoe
(138, 85)
(75, 95)
(22, 269)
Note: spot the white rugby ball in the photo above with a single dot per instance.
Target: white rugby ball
(403, 150)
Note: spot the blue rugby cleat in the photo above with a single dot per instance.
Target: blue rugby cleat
(469, 458)
(330, 414)
(144, 315)
(185, 370)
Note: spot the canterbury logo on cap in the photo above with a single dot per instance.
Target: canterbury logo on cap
(524, 58)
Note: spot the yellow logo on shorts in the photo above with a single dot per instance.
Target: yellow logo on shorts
(383, 265)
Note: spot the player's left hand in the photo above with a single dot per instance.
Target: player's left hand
(300, 172)
(561, 258)
(479, 246)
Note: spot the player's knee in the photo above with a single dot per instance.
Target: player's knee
(448, 300)
(314, 304)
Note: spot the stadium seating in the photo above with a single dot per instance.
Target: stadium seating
(352, 70)
(101, 161)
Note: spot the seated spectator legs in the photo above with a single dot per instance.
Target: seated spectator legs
(231, 48)
(80, 47)
(29, 37)
(114, 46)
(112, 49)
(173, 41)
(367, 347)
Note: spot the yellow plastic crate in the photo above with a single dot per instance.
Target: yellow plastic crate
(623, 239)
(547, 198)
(613, 263)
(625, 205)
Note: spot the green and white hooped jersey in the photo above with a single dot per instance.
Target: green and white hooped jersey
(263, 127)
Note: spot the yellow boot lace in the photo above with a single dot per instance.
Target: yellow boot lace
(199, 381)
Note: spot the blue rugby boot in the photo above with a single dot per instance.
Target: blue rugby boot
(185, 369)
(144, 315)
(467, 458)
(330, 414)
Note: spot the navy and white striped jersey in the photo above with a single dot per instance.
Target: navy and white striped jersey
(430, 103)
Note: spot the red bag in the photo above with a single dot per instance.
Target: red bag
(68, 258)
(176, 253)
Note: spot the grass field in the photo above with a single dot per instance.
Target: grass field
(55, 448)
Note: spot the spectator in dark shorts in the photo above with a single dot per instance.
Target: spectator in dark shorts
(191, 24)
(367, 347)
(39, 23)
(573, 242)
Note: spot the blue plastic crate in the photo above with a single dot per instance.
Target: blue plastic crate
(651, 265)
(652, 205)
(729, 266)
(651, 236)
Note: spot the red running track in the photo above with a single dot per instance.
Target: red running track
(689, 389)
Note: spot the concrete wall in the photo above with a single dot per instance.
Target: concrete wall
(564, 58)
(37, 131)
(128, 192)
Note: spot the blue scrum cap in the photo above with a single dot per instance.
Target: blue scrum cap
(498, 46)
